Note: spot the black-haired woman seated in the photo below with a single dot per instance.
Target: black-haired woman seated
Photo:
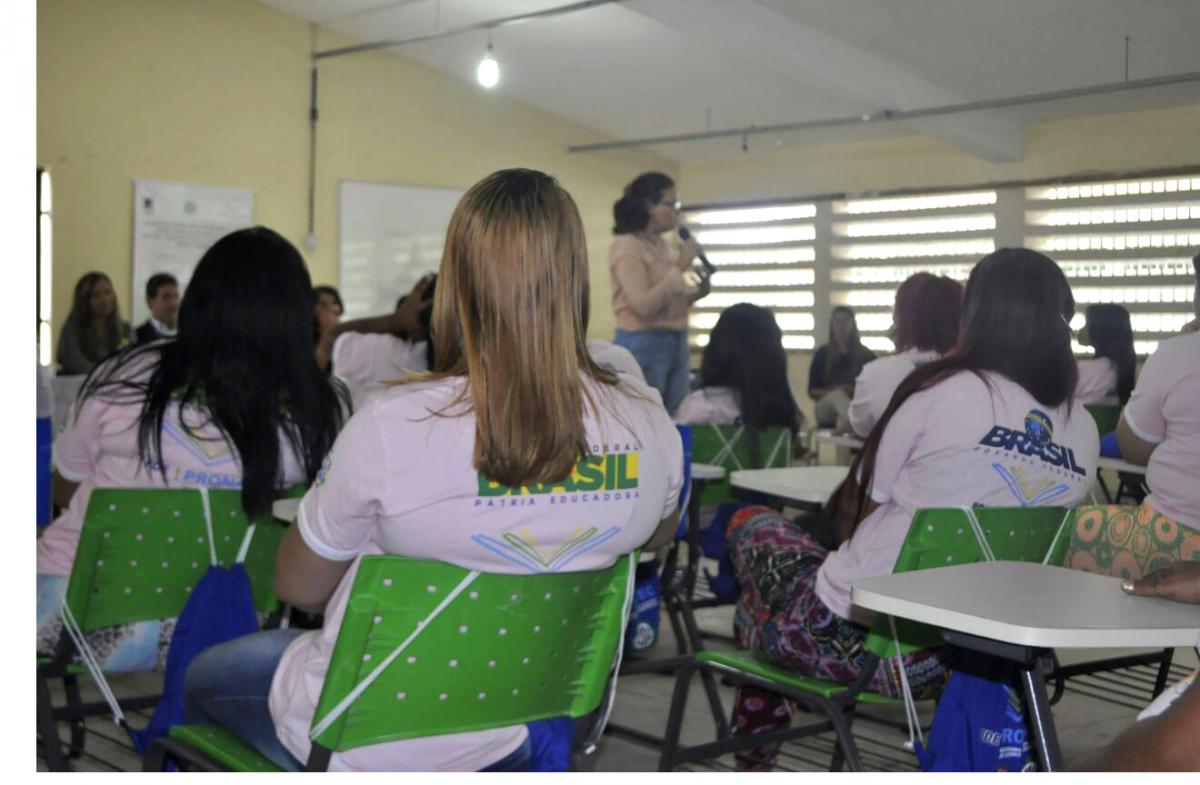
(235, 400)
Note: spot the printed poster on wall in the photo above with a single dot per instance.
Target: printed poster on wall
(173, 225)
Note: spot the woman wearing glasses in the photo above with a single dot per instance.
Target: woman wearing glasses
(651, 294)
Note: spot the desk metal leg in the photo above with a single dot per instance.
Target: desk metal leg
(1033, 679)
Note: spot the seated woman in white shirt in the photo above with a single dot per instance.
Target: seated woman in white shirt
(515, 405)
(372, 353)
(1108, 376)
(743, 376)
(924, 327)
(992, 423)
(234, 400)
(1159, 429)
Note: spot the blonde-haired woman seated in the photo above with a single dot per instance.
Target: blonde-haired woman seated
(514, 399)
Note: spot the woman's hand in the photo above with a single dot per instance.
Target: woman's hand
(406, 320)
(687, 253)
(1179, 582)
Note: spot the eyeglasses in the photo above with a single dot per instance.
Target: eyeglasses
(675, 205)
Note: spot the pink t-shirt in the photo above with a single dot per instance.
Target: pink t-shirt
(615, 358)
(401, 482)
(100, 450)
(1097, 382)
(371, 362)
(876, 383)
(958, 444)
(709, 406)
(1164, 409)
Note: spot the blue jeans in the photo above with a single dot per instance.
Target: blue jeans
(664, 359)
(228, 685)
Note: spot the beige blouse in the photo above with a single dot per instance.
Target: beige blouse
(649, 292)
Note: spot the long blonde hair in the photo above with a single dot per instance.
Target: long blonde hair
(510, 313)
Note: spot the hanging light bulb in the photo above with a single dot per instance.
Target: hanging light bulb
(488, 71)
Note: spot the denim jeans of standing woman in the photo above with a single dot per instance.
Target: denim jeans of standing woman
(664, 359)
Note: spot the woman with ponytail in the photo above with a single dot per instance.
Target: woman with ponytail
(650, 293)
(993, 423)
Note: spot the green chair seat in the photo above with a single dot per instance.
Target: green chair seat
(755, 663)
(223, 747)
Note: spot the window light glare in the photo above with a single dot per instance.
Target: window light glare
(954, 223)
(44, 343)
(878, 343)
(1099, 190)
(44, 195)
(798, 342)
(1112, 242)
(974, 247)
(780, 299)
(488, 70)
(865, 297)
(896, 274)
(778, 256)
(874, 322)
(753, 215)
(1115, 214)
(47, 264)
(758, 236)
(907, 203)
(782, 277)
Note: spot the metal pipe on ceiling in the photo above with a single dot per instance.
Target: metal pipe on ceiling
(892, 115)
(484, 25)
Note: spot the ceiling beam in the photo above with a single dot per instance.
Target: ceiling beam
(750, 32)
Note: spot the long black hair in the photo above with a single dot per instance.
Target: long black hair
(244, 354)
(745, 353)
(1016, 322)
(1111, 335)
(838, 364)
(631, 213)
(81, 318)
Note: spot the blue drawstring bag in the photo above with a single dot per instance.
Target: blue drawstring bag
(641, 632)
(219, 609)
(978, 726)
(714, 545)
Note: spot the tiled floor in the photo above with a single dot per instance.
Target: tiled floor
(1093, 711)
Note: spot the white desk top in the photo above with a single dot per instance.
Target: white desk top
(1117, 465)
(706, 471)
(807, 484)
(286, 509)
(1031, 605)
(827, 436)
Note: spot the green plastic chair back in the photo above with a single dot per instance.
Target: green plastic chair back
(141, 551)
(728, 446)
(943, 536)
(510, 649)
(1105, 415)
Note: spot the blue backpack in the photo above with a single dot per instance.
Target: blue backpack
(978, 726)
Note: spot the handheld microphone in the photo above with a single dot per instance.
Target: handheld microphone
(685, 235)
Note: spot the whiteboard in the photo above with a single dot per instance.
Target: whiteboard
(174, 224)
(388, 237)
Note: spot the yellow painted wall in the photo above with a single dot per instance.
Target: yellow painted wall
(1145, 139)
(217, 92)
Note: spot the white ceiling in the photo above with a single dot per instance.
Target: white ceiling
(642, 68)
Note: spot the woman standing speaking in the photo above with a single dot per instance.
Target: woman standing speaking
(651, 294)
